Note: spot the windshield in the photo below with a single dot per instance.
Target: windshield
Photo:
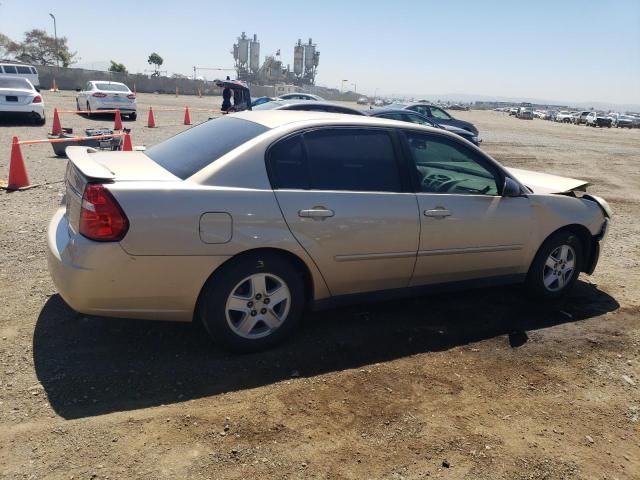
(15, 82)
(192, 150)
(112, 87)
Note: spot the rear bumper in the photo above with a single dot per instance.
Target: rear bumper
(22, 111)
(98, 278)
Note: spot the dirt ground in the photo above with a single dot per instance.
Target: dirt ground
(475, 385)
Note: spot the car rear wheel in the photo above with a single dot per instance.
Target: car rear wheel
(556, 266)
(133, 116)
(252, 303)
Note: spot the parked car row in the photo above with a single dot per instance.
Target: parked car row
(590, 118)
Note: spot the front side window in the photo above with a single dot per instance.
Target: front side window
(10, 69)
(342, 159)
(418, 119)
(439, 113)
(421, 109)
(24, 70)
(445, 166)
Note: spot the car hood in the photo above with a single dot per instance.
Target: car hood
(546, 183)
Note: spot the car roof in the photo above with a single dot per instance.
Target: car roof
(108, 81)
(278, 118)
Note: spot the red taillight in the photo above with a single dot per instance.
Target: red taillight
(101, 218)
(131, 97)
(37, 99)
(99, 95)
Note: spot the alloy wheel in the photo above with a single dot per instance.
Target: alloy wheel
(258, 305)
(559, 268)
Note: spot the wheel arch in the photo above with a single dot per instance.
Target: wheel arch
(297, 262)
(586, 241)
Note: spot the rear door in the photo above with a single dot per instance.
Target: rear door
(348, 203)
(469, 231)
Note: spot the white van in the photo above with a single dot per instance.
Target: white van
(21, 70)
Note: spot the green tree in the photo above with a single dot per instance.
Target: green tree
(155, 60)
(117, 67)
(41, 49)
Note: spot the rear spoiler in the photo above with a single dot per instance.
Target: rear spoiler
(92, 170)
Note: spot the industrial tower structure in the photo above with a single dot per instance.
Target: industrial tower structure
(246, 53)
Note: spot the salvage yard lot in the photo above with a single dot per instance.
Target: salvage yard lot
(478, 385)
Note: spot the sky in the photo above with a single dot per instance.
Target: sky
(565, 50)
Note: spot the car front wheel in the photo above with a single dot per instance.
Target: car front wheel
(556, 266)
(252, 303)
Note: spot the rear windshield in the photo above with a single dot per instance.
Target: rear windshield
(112, 87)
(192, 150)
(14, 82)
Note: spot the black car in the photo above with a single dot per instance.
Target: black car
(436, 114)
(308, 106)
(413, 117)
(598, 119)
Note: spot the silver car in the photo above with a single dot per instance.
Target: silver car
(244, 221)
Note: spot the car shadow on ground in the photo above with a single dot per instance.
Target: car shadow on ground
(92, 366)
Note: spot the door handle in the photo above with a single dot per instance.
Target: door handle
(438, 212)
(317, 213)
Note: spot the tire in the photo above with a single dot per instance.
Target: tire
(238, 306)
(133, 116)
(88, 109)
(41, 121)
(77, 105)
(563, 246)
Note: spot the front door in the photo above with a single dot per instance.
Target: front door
(469, 231)
(343, 198)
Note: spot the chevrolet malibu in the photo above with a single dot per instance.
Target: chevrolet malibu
(244, 221)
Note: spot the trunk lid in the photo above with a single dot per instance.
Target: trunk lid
(87, 165)
(547, 183)
(16, 96)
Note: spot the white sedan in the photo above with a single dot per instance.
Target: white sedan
(105, 95)
(19, 98)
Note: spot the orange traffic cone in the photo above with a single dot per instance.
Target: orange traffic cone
(127, 147)
(151, 122)
(187, 117)
(56, 129)
(17, 172)
(117, 125)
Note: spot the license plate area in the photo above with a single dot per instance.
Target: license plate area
(11, 98)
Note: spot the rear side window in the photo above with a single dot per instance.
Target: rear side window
(288, 164)
(192, 150)
(10, 69)
(24, 70)
(336, 159)
(33, 70)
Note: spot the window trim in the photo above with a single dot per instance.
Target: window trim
(485, 161)
(406, 185)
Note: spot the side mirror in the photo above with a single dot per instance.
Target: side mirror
(511, 188)
(78, 89)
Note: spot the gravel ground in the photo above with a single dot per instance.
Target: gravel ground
(473, 385)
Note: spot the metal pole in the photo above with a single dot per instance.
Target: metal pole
(355, 89)
(342, 85)
(55, 36)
